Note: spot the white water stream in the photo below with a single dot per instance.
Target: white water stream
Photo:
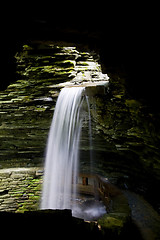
(62, 157)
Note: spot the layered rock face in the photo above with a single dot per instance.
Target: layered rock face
(27, 105)
(131, 130)
(20, 189)
(125, 131)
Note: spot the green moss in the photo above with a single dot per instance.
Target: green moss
(21, 210)
(36, 108)
(133, 105)
(27, 47)
(84, 64)
(110, 222)
(112, 225)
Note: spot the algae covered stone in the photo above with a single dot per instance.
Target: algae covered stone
(112, 226)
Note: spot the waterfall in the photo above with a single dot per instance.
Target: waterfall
(61, 163)
(90, 135)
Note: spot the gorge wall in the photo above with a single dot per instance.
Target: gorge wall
(20, 189)
(125, 129)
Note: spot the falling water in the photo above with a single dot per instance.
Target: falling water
(61, 163)
(90, 135)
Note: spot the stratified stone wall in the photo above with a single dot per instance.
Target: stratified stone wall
(27, 105)
(20, 189)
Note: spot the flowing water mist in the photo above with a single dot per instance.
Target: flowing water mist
(62, 157)
(90, 135)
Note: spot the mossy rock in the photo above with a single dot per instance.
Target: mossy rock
(113, 225)
(110, 222)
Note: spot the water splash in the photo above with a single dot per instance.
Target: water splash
(61, 163)
(89, 210)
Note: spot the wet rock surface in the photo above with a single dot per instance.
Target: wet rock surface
(144, 216)
(125, 131)
(20, 192)
(20, 189)
(27, 105)
(131, 130)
